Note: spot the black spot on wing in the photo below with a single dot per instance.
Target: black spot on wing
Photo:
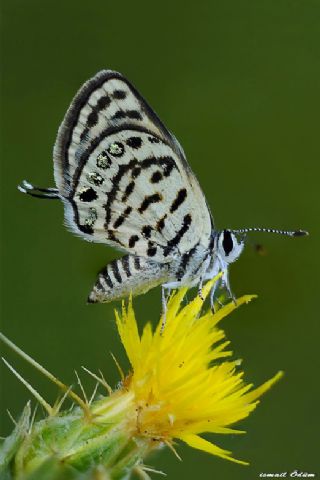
(148, 200)
(146, 231)
(86, 229)
(84, 133)
(153, 139)
(136, 172)
(132, 114)
(119, 94)
(180, 198)
(160, 223)
(122, 217)
(129, 189)
(134, 142)
(156, 177)
(185, 260)
(168, 164)
(88, 195)
(93, 116)
(174, 242)
(103, 102)
(133, 240)
(152, 249)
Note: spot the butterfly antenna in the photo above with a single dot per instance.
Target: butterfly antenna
(38, 192)
(288, 233)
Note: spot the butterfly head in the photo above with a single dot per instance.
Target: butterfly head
(229, 245)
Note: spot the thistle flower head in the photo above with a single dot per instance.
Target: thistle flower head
(181, 382)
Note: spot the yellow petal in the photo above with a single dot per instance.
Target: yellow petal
(227, 309)
(195, 441)
(254, 394)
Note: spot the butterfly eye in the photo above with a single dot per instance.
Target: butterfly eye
(227, 242)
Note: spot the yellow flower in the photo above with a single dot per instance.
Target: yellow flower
(180, 383)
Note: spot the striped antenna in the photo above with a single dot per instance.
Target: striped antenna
(288, 233)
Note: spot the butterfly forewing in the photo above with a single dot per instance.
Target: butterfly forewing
(124, 177)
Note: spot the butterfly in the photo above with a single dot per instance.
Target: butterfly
(124, 181)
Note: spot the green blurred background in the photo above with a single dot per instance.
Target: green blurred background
(238, 83)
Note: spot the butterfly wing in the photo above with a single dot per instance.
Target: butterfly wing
(123, 177)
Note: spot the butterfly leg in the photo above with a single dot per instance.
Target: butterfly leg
(200, 285)
(212, 294)
(128, 274)
(164, 308)
(226, 282)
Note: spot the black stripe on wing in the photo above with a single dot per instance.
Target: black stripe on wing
(174, 242)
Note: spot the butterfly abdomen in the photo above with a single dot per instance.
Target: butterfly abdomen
(128, 274)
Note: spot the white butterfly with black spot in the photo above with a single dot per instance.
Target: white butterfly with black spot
(124, 181)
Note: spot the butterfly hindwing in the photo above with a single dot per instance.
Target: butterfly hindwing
(123, 177)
